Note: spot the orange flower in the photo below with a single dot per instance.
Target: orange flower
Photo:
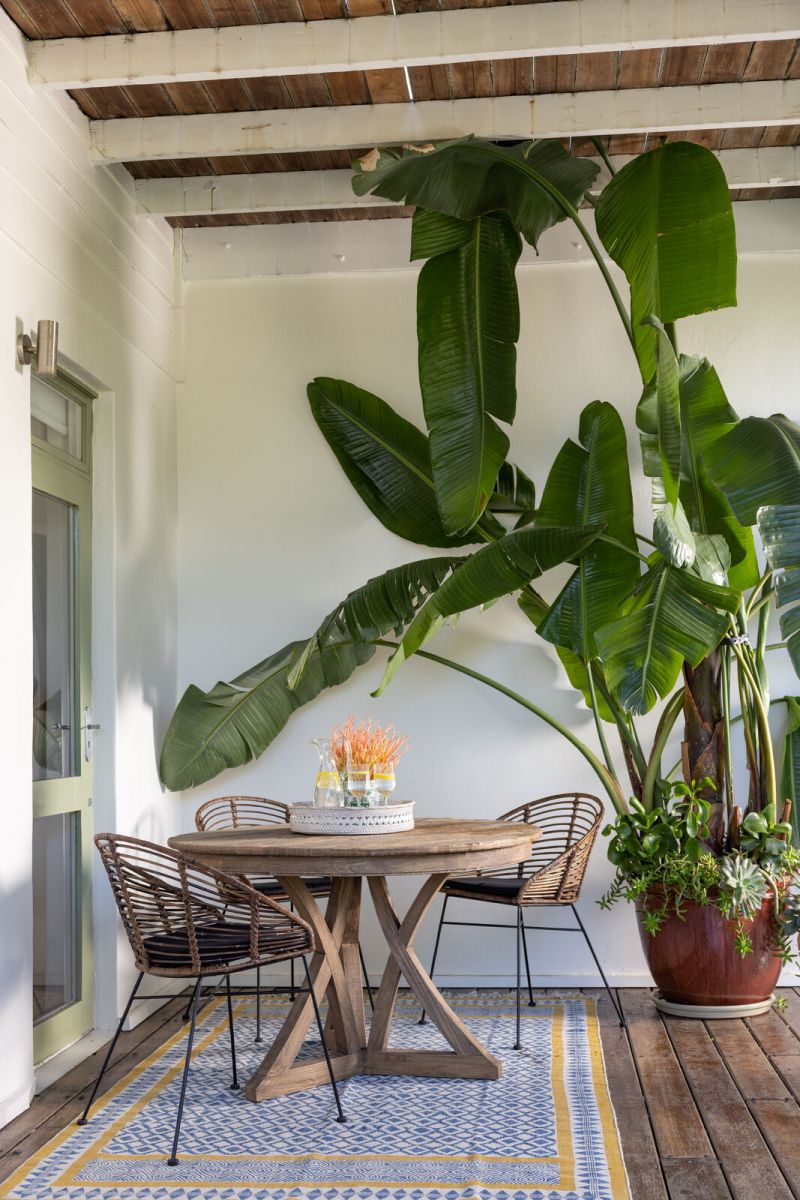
(369, 743)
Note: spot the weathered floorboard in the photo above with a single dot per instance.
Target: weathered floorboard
(693, 1178)
(746, 1161)
(677, 1125)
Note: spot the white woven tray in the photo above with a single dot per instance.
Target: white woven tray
(387, 818)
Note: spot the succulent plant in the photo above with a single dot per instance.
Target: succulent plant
(745, 882)
(790, 914)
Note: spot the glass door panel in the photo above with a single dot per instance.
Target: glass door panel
(54, 700)
(61, 767)
(56, 932)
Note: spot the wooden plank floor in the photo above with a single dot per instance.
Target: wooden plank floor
(706, 1110)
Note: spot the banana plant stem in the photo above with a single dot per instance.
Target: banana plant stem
(601, 150)
(747, 726)
(637, 743)
(626, 727)
(668, 718)
(726, 717)
(612, 541)
(754, 608)
(598, 724)
(763, 723)
(756, 593)
(606, 778)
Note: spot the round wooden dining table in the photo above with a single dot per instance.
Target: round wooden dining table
(436, 848)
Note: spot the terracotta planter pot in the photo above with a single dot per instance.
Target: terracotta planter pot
(694, 961)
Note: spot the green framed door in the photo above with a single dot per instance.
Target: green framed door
(61, 426)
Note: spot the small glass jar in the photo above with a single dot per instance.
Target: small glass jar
(383, 780)
(359, 785)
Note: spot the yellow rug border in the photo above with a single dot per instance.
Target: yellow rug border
(618, 1175)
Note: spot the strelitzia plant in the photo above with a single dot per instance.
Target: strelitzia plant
(666, 609)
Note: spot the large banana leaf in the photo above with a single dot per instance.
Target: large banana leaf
(435, 233)
(514, 493)
(672, 618)
(705, 417)
(235, 722)
(470, 177)
(790, 766)
(668, 412)
(467, 327)
(388, 462)
(589, 484)
(779, 526)
(757, 463)
(666, 220)
(493, 571)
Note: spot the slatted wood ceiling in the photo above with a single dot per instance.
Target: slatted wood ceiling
(687, 65)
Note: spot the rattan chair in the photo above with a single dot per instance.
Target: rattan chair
(250, 812)
(185, 920)
(551, 877)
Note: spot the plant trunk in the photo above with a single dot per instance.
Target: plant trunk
(704, 739)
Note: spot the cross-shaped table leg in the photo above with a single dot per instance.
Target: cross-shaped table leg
(335, 974)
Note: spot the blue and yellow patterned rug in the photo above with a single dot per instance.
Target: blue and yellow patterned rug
(544, 1131)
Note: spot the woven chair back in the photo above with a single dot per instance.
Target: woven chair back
(180, 915)
(240, 812)
(569, 824)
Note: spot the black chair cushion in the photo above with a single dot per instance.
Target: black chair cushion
(217, 942)
(271, 887)
(486, 887)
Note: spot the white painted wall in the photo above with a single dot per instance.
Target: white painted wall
(271, 535)
(71, 249)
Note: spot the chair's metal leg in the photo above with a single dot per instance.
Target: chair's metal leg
(187, 1012)
(616, 1006)
(258, 1037)
(435, 949)
(209, 996)
(518, 1042)
(85, 1115)
(366, 978)
(172, 1161)
(235, 1084)
(531, 1001)
(341, 1117)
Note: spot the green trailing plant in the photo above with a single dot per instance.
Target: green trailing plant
(665, 608)
(663, 864)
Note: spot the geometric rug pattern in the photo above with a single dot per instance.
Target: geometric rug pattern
(544, 1131)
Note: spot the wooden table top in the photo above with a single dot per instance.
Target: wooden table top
(435, 844)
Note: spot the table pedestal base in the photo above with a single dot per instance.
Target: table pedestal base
(335, 974)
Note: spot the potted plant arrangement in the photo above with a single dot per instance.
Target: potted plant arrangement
(673, 617)
(716, 927)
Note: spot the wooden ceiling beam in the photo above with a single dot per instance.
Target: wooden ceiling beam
(567, 114)
(290, 191)
(271, 191)
(414, 39)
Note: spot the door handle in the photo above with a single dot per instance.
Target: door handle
(88, 727)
